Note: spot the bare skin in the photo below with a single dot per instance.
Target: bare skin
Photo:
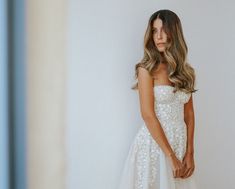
(159, 35)
(146, 82)
(189, 119)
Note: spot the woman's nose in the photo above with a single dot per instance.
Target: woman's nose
(159, 35)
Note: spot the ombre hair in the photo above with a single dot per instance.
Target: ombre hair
(180, 73)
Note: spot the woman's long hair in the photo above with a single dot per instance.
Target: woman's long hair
(180, 73)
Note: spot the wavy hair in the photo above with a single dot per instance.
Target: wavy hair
(180, 72)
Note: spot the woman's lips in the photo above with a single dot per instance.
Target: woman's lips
(161, 44)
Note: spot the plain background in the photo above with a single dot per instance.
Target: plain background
(105, 42)
(3, 101)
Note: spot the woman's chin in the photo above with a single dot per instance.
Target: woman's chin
(161, 50)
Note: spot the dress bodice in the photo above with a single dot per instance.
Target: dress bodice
(169, 106)
(146, 166)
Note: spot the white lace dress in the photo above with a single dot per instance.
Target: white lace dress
(146, 166)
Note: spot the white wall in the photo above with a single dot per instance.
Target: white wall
(105, 42)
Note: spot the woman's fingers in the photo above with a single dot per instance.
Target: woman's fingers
(185, 173)
(188, 173)
(178, 172)
(184, 169)
(181, 170)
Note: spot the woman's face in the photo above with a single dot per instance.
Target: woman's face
(159, 35)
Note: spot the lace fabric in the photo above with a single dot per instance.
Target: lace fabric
(146, 166)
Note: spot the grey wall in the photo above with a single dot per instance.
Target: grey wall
(17, 102)
(105, 42)
(3, 99)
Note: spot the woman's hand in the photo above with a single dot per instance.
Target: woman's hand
(188, 162)
(177, 166)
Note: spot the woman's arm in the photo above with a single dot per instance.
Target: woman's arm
(189, 120)
(146, 97)
(188, 159)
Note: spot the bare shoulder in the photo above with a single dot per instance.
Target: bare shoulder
(145, 80)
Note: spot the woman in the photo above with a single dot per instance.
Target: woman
(162, 153)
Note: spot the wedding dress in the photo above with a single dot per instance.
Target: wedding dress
(146, 166)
